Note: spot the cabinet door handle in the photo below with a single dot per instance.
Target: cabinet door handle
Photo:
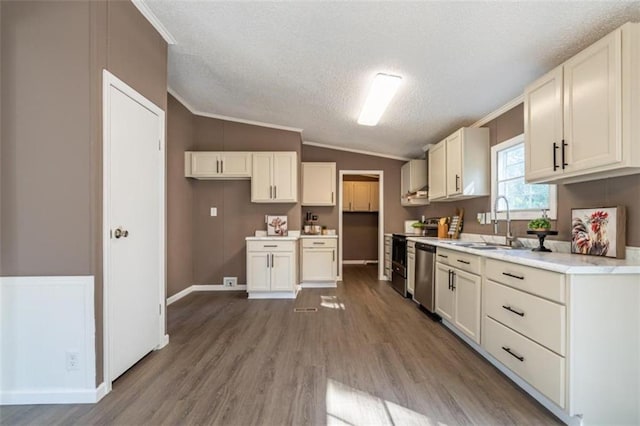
(217, 166)
(369, 207)
(513, 354)
(333, 255)
(510, 309)
(332, 198)
(221, 166)
(564, 145)
(457, 183)
(449, 279)
(453, 281)
(513, 276)
(270, 191)
(272, 263)
(275, 191)
(349, 205)
(555, 156)
(268, 261)
(463, 261)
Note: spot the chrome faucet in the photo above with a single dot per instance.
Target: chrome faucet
(510, 239)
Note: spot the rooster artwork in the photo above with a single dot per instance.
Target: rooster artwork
(589, 232)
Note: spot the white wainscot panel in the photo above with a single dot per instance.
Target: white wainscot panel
(44, 320)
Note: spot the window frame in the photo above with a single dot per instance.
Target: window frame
(518, 214)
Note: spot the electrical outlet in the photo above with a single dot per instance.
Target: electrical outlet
(230, 281)
(73, 360)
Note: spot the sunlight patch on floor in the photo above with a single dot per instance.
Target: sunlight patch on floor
(331, 302)
(349, 406)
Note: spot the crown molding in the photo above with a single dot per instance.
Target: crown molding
(194, 111)
(355, 151)
(497, 113)
(153, 20)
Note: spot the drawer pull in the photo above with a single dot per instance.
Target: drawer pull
(318, 243)
(270, 245)
(510, 309)
(442, 255)
(513, 276)
(508, 350)
(463, 261)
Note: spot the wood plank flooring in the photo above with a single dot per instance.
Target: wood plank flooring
(366, 357)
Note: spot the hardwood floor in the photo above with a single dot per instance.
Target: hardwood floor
(366, 357)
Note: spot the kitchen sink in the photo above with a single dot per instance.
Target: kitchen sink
(482, 246)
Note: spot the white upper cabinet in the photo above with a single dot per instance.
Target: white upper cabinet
(580, 124)
(318, 184)
(413, 178)
(274, 177)
(438, 171)
(217, 165)
(459, 166)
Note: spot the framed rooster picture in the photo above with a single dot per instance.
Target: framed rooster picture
(598, 231)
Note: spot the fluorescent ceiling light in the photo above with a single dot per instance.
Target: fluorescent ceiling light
(382, 90)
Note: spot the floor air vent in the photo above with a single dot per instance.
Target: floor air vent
(305, 309)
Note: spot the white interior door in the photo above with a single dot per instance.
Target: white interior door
(134, 207)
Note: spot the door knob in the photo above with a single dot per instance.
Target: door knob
(120, 233)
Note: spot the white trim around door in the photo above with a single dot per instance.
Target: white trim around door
(380, 174)
(111, 81)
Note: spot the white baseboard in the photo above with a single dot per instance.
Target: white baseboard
(203, 287)
(53, 396)
(273, 295)
(319, 284)
(359, 262)
(163, 343)
(548, 404)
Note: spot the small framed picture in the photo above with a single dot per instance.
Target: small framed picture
(599, 231)
(277, 226)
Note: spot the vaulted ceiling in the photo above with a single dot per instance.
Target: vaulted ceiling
(309, 64)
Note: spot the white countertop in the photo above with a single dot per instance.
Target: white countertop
(287, 238)
(318, 236)
(566, 263)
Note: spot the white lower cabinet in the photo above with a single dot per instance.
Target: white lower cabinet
(574, 338)
(411, 267)
(271, 269)
(319, 262)
(458, 298)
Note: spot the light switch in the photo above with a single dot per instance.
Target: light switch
(214, 211)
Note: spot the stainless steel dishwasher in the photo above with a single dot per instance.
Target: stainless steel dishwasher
(425, 282)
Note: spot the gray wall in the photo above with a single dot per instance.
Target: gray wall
(210, 248)
(394, 213)
(53, 53)
(624, 191)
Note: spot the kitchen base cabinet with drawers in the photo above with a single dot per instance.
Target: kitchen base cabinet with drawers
(319, 261)
(458, 287)
(573, 338)
(272, 268)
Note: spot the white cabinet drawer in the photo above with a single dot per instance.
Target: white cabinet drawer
(532, 316)
(543, 369)
(271, 246)
(464, 261)
(550, 285)
(319, 242)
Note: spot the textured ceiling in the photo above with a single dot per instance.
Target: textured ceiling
(309, 64)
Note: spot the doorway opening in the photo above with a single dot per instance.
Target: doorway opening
(361, 218)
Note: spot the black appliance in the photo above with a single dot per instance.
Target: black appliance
(399, 255)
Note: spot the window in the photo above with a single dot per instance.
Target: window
(526, 201)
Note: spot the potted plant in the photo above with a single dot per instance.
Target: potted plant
(540, 224)
(418, 228)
